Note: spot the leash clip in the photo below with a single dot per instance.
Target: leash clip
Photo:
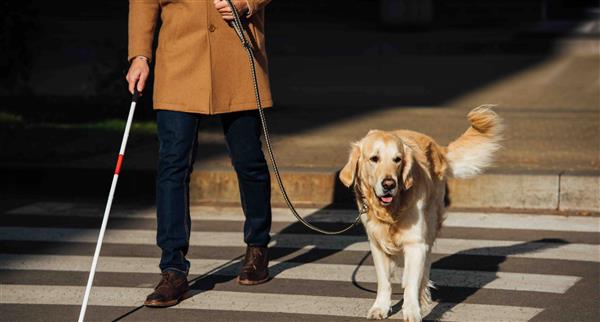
(364, 208)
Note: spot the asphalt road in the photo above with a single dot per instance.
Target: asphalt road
(487, 267)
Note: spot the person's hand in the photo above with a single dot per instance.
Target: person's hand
(240, 5)
(138, 73)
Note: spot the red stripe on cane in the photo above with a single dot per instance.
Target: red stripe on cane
(119, 162)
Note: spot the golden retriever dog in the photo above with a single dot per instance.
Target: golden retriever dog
(400, 177)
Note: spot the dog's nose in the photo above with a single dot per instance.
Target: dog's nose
(388, 184)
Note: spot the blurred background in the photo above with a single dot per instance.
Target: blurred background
(338, 68)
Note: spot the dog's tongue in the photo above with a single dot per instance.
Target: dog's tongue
(387, 199)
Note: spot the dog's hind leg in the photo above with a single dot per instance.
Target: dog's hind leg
(383, 267)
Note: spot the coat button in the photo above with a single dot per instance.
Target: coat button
(212, 28)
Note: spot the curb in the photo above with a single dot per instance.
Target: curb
(316, 187)
(557, 191)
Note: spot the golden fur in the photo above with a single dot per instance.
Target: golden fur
(405, 217)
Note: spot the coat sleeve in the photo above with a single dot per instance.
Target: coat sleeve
(256, 5)
(143, 15)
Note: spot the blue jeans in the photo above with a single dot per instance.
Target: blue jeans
(177, 135)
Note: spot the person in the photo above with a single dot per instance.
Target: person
(202, 69)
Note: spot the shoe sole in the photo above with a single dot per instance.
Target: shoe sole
(250, 282)
(160, 304)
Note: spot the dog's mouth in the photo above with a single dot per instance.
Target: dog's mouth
(386, 199)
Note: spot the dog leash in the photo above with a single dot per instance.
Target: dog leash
(239, 30)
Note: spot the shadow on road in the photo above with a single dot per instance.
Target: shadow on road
(290, 253)
(299, 254)
(449, 297)
(448, 300)
(486, 259)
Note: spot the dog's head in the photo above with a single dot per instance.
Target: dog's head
(381, 161)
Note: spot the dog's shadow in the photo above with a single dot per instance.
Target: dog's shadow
(476, 259)
(448, 297)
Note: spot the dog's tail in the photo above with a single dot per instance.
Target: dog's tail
(474, 150)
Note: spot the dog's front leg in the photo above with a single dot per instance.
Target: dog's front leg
(383, 268)
(414, 266)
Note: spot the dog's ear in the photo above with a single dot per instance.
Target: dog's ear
(407, 167)
(348, 172)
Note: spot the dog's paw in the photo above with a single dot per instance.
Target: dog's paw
(411, 313)
(377, 313)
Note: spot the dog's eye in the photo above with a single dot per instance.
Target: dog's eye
(397, 159)
(374, 159)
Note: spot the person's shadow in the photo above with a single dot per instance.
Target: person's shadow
(310, 248)
(307, 249)
(486, 259)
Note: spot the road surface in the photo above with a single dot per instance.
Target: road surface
(486, 266)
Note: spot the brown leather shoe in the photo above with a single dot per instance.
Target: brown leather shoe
(169, 291)
(255, 269)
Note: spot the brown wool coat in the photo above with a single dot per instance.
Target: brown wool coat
(201, 67)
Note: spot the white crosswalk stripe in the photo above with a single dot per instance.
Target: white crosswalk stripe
(257, 302)
(514, 281)
(320, 272)
(578, 252)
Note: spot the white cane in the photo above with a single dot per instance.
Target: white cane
(111, 195)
